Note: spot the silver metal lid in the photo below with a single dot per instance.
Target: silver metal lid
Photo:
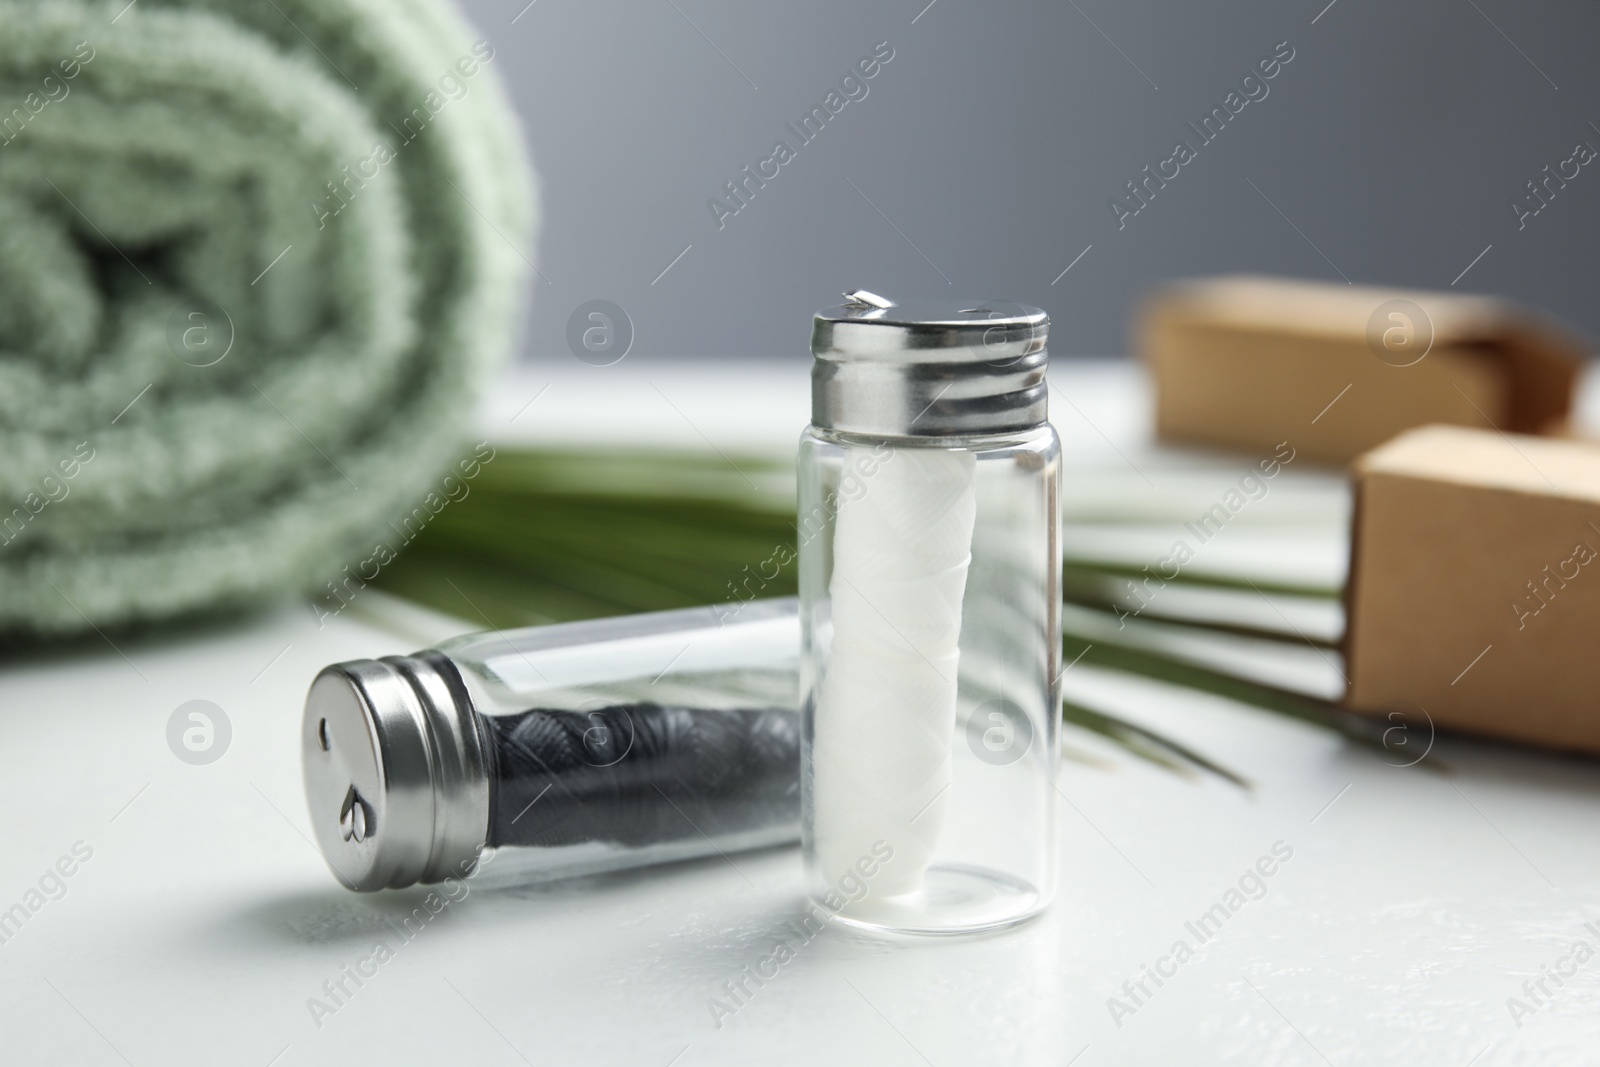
(396, 771)
(928, 368)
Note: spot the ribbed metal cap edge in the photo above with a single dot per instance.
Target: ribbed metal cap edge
(932, 368)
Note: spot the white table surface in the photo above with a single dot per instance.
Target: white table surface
(1414, 905)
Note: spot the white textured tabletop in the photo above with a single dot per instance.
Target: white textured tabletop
(1404, 911)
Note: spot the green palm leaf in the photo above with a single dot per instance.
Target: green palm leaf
(548, 536)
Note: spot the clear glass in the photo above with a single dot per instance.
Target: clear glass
(929, 703)
(620, 743)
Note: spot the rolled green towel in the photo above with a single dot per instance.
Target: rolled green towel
(257, 257)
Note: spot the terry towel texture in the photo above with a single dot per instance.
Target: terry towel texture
(256, 259)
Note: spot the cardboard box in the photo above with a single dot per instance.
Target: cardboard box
(1244, 362)
(1474, 588)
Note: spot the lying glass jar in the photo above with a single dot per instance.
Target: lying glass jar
(559, 751)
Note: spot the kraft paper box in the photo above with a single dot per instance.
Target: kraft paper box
(1246, 362)
(1474, 588)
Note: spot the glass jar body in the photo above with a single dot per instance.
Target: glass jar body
(626, 742)
(930, 592)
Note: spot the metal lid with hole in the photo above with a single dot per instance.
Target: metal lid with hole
(396, 771)
(928, 368)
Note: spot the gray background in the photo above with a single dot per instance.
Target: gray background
(1394, 141)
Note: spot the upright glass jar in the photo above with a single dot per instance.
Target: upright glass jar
(930, 592)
